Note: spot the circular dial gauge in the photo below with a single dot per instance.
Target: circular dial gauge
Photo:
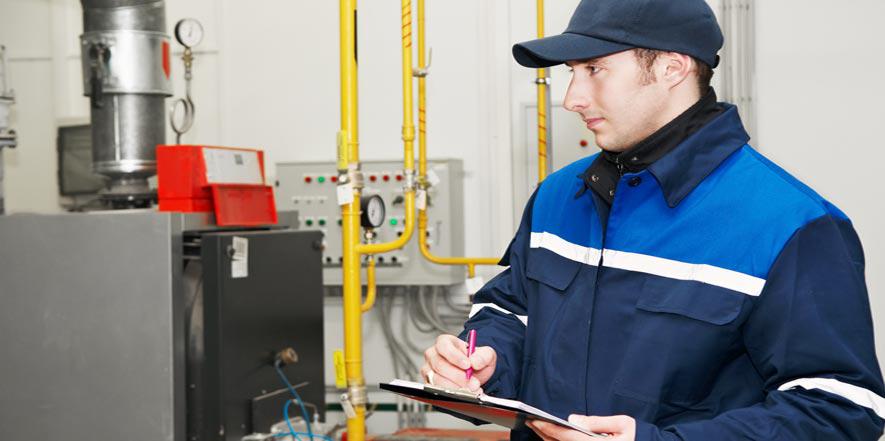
(373, 211)
(188, 32)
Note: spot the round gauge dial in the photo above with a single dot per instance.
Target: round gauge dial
(373, 211)
(189, 32)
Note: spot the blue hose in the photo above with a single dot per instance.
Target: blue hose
(292, 431)
(300, 403)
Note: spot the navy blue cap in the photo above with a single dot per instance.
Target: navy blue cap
(604, 27)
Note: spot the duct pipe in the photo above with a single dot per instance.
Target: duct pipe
(125, 55)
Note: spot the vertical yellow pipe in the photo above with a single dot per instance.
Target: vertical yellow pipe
(542, 103)
(356, 426)
(422, 99)
(371, 288)
(408, 140)
(421, 73)
(408, 100)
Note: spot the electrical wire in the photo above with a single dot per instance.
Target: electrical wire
(404, 326)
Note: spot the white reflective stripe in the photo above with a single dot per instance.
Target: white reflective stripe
(659, 266)
(552, 242)
(477, 306)
(674, 269)
(855, 394)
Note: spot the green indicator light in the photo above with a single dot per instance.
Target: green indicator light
(339, 222)
(321, 179)
(393, 222)
(309, 222)
(322, 222)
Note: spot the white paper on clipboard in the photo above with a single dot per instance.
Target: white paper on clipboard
(480, 406)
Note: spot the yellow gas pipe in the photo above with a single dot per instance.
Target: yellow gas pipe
(348, 168)
(371, 289)
(351, 178)
(542, 82)
(421, 73)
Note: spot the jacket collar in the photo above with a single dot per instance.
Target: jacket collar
(686, 166)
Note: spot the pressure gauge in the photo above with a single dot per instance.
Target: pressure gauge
(188, 32)
(373, 211)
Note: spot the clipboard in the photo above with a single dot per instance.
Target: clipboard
(503, 412)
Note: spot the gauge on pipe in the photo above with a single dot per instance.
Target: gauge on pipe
(189, 32)
(373, 211)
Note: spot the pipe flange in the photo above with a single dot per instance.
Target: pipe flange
(545, 81)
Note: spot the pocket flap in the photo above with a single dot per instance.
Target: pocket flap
(696, 300)
(550, 268)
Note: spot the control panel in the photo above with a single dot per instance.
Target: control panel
(310, 188)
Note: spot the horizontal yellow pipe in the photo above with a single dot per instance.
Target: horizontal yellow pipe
(425, 251)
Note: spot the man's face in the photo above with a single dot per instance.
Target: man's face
(616, 101)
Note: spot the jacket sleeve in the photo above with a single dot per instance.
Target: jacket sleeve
(499, 313)
(810, 337)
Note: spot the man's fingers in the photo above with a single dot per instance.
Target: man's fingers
(454, 350)
(483, 357)
(550, 431)
(538, 431)
(612, 424)
(445, 369)
(445, 383)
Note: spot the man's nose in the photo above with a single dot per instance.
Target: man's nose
(574, 101)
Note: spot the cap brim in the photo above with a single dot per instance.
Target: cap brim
(558, 49)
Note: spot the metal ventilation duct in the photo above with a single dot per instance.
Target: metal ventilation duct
(126, 73)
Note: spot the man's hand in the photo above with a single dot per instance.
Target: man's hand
(621, 427)
(448, 361)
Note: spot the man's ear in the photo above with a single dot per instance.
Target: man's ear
(675, 68)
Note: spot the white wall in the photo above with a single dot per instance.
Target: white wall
(820, 95)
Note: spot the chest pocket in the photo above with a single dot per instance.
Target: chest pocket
(682, 333)
(558, 326)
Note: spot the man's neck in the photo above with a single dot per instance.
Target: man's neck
(680, 102)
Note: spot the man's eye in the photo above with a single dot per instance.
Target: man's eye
(594, 70)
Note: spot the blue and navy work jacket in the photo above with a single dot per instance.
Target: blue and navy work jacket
(723, 300)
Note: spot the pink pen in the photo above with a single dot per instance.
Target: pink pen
(471, 346)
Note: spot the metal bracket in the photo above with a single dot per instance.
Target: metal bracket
(545, 80)
(8, 138)
(410, 180)
(354, 176)
(357, 395)
(422, 72)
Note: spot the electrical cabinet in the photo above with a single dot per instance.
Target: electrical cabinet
(310, 188)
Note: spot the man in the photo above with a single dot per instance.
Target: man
(678, 285)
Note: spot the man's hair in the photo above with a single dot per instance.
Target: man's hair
(647, 58)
